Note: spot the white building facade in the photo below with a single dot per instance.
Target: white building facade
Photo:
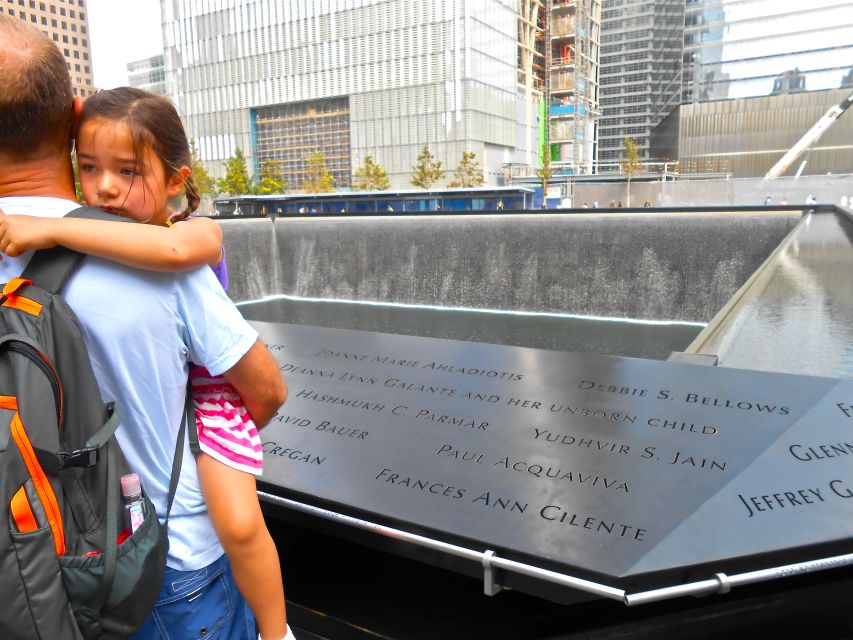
(349, 78)
(148, 74)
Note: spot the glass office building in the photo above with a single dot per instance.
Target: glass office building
(757, 75)
(249, 73)
(148, 74)
(641, 43)
(747, 48)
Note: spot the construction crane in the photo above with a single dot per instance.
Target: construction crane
(812, 136)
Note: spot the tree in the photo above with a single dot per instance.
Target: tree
(468, 173)
(204, 183)
(370, 176)
(271, 178)
(236, 181)
(318, 179)
(630, 164)
(544, 173)
(427, 171)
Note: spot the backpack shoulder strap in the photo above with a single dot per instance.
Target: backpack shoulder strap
(51, 268)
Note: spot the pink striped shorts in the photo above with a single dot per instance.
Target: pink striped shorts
(226, 431)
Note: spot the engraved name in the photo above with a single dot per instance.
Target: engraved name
(780, 500)
(325, 426)
(609, 387)
(474, 371)
(841, 488)
(545, 435)
(456, 421)
(557, 473)
(289, 367)
(820, 451)
(558, 514)
(395, 383)
(297, 455)
(352, 403)
(742, 405)
(417, 364)
(425, 485)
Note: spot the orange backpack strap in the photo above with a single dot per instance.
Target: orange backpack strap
(11, 298)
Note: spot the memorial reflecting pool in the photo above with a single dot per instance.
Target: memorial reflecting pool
(484, 460)
(629, 338)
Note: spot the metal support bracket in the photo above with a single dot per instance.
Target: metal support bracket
(725, 583)
(719, 583)
(490, 588)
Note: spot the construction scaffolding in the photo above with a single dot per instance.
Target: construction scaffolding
(531, 68)
(571, 93)
(290, 133)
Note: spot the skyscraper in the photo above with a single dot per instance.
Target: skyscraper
(348, 78)
(148, 74)
(65, 22)
(641, 42)
(572, 67)
(757, 74)
(741, 49)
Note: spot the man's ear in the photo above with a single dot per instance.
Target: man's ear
(177, 180)
(76, 111)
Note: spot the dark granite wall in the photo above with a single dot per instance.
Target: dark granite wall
(657, 266)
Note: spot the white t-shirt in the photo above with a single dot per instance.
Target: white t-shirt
(141, 329)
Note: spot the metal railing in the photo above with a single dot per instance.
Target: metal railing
(718, 583)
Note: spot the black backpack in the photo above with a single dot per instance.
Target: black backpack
(63, 573)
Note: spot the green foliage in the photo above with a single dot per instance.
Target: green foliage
(370, 176)
(236, 181)
(205, 184)
(544, 172)
(271, 179)
(630, 164)
(427, 171)
(468, 173)
(318, 179)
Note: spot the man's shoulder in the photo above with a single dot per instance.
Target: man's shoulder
(38, 206)
(114, 276)
(31, 206)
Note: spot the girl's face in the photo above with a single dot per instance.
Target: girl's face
(112, 179)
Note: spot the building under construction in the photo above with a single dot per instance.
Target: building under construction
(558, 68)
(290, 133)
(572, 88)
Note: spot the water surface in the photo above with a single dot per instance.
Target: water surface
(541, 331)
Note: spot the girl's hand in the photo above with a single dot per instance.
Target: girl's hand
(19, 233)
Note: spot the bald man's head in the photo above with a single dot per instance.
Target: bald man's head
(35, 93)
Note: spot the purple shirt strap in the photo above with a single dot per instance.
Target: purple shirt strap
(221, 271)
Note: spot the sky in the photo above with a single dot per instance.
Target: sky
(122, 31)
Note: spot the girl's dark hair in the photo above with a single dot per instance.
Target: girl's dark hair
(152, 121)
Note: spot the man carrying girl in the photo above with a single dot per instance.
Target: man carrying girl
(145, 329)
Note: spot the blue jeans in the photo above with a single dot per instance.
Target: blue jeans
(203, 604)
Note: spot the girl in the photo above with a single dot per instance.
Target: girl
(133, 157)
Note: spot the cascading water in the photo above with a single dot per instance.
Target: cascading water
(626, 284)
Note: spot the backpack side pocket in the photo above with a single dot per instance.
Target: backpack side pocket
(43, 594)
(140, 565)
